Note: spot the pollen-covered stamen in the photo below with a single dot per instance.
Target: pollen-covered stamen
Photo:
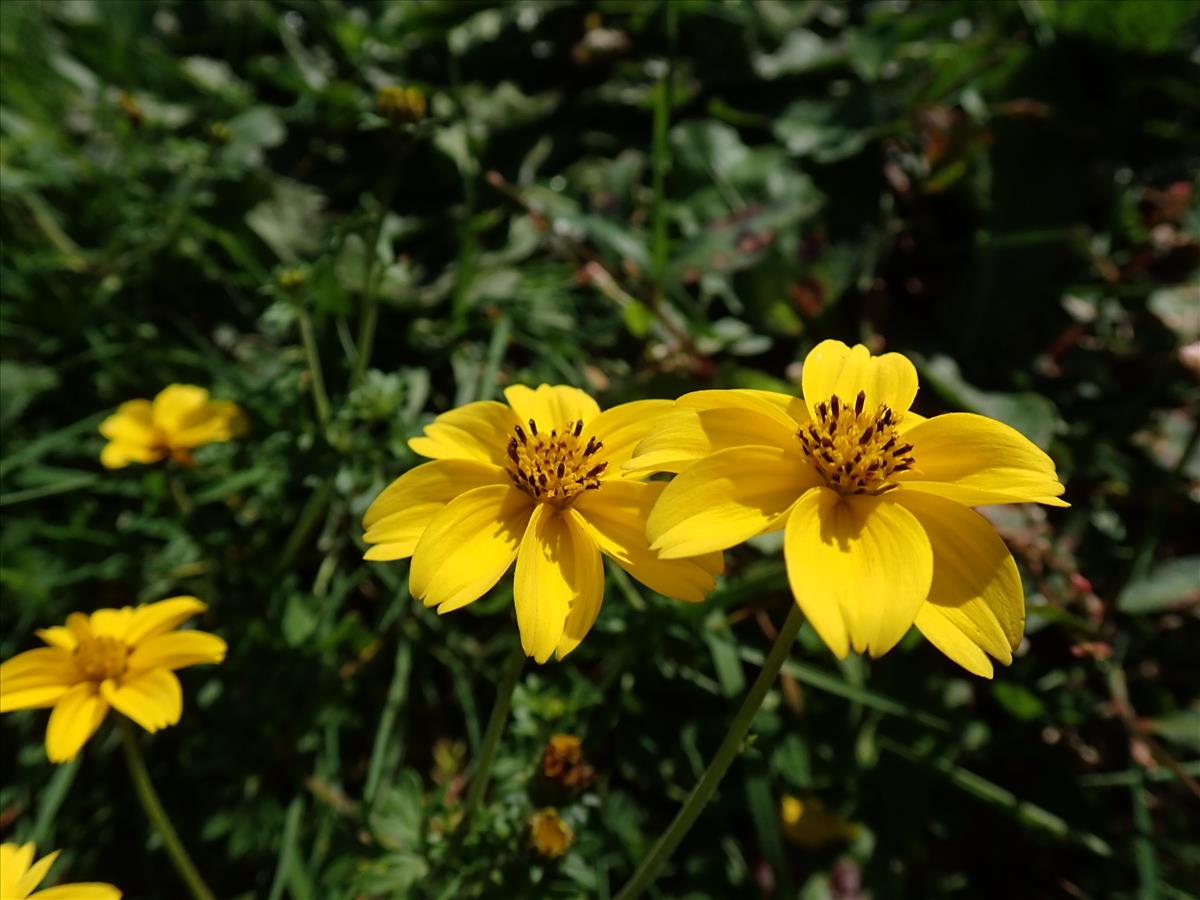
(100, 658)
(555, 467)
(855, 451)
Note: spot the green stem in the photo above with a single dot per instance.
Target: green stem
(320, 398)
(491, 737)
(158, 816)
(725, 755)
(661, 157)
(179, 494)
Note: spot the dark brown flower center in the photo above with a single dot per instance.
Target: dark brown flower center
(99, 658)
(555, 467)
(855, 451)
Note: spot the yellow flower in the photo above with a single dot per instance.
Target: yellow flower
(537, 481)
(19, 875)
(123, 658)
(551, 836)
(807, 823)
(875, 501)
(179, 419)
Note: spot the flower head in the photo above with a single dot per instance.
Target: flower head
(120, 658)
(178, 420)
(19, 875)
(537, 480)
(875, 500)
(549, 834)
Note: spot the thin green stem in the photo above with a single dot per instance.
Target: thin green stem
(179, 494)
(491, 737)
(725, 755)
(320, 398)
(158, 816)
(661, 157)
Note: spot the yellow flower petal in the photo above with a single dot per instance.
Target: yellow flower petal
(478, 431)
(395, 520)
(116, 455)
(976, 589)
(551, 405)
(177, 650)
(589, 586)
(81, 891)
(32, 697)
(931, 621)
(33, 877)
(833, 368)
(80, 625)
(706, 422)
(615, 516)
(14, 862)
(161, 617)
(175, 403)
(58, 636)
(132, 423)
(217, 420)
(725, 498)
(468, 545)
(30, 680)
(860, 567)
(558, 570)
(975, 461)
(75, 718)
(153, 699)
(620, 429)
(113, 623)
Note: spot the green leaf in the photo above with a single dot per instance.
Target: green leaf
(1171, 584)
(1182, 728)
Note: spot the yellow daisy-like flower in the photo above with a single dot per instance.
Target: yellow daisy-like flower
(178, 420)
(19, 875)
(537, 480)
(120, 658)
(875, 501)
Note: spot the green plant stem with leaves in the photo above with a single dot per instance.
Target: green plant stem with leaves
(158, 816)
(721, 761)
(491, 737)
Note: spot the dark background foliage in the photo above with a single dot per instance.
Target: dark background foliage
(641, 199)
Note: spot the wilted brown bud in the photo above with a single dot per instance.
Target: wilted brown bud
(563, 764)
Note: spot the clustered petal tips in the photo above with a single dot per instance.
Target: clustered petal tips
(536, 481)
(123, 659)
(874, 499)
(19, 875)
(178, 420)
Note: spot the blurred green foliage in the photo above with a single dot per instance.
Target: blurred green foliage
(641, 199)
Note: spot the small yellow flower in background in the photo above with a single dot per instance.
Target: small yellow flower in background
(401, 104)
(178, 420)
(537, 480)
(19, 875)
(875, 501)
(120, 658)
(549, 834)
(807, 823)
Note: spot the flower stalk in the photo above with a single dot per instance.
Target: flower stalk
(491, 737)
(158, 816)
(721, 761)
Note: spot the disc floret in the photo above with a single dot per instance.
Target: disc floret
(555, 467)
(855, 451)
